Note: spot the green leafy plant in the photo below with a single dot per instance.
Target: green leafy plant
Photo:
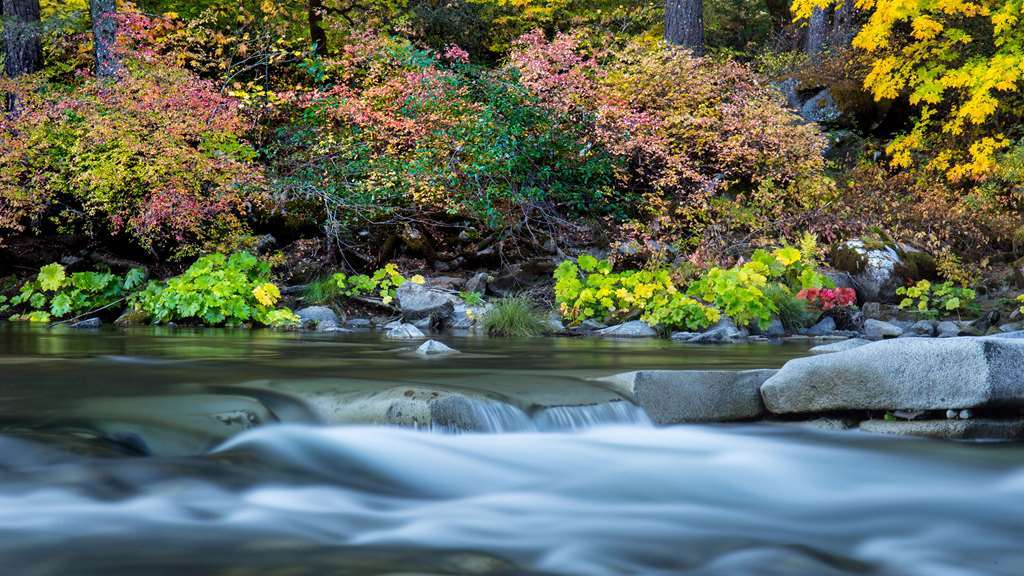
(471, 298)
(791, 311)
(384, 282)
(217, 290)
(515, 316)
(54, 294)
(934, 299)
(738, 292)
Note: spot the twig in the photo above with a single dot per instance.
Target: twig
(84, 314)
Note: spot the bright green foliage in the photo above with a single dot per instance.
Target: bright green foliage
(471, 298)
(515, 317)
(587, 288)
(934, 299)
(383, 282)
(54, 294)
(738, 292)
(217, 290)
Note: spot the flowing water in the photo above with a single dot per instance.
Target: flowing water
(109, 465)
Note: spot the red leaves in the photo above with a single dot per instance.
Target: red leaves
(826, 299)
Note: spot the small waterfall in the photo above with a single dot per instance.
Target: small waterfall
(461, 415)
(577, 417)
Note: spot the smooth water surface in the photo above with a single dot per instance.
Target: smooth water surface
(298, 498)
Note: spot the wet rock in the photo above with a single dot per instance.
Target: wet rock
(947, 329)
(902, 374)
(417, 302)
(435, 348)
(980, 326)
(423, 323)
(878, 330)
(826, 326)
(591, 325)
(131, 318)
(88, 324)
(678, 396)
(554, 323)
(317, 318)
(722, 333)
(926, 328)
(359, 323)
(775, 329)
(841, 346)
(404, 331)
(632, 329)
(465, 317)
(977, 429)
(684, 336)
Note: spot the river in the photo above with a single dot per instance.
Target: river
(108, 467)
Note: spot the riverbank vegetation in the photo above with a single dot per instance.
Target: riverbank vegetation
(650, 166)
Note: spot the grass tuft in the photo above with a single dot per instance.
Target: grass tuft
(515, 316)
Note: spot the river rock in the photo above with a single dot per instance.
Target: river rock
(359, 323)
(434, 348)
(417, 302)
(974, 429)
(878, 330)
(926, 328)
(878, 270)
(678, 396)
(465, 317)
(722, 333)
(947, 329)
(87, 324)
(841, 346)
(902, 374)
(317, 317)
(826, 326)
(404, 331)
(632, 329)
(478, 283)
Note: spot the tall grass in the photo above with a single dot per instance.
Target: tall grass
(514, 316)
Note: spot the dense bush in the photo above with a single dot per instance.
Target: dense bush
(165, 169)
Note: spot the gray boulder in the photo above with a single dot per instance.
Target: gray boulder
(826, 326)
(466, 317)
(878, 270)
(678, 396)
(417, 302)
(317, 317)
(947, 329)
(841, 346)
(722, 333)
(976, 429)
(902, 374)
(434, 348)
(925, 328)
(632, 329)
(878, 330)
(478, 283)
(404, 331)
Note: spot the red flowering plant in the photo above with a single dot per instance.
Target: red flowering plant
(827, 299)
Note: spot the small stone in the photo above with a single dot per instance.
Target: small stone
(952, 414)
(317, 317)
(434, 348)
(947, 329)
(872, 310)
(966, 414)
(404, 331)
(878, 330)
(554, 323)
(478, 283)
(923, 328)
(723, 332)
(359, 323)
(423, 323)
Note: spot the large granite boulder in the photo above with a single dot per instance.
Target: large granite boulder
(678, 396)
(418, 302)
(902, 374)
(878, 269)
(974, 429)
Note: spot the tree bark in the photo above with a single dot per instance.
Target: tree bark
(844, 25)
(817, 32)
(23, 47)
(684, 24)
(317, 35)
(104, 34)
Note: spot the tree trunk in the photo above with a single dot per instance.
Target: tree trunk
(317, 35)
(817, 31)
(23, 47)
(844, 25)
(104, 34)
(684, 24)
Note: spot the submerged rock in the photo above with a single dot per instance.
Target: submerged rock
(404, 331)
(826, 326)
(89, 323)
(632, 329)
(976, 429)
(435, 348)
(722, 333)
(902, 374)
(677, 396)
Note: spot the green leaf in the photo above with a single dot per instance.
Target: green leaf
(60, 305)
(37, 300)
(134, 278)
(51, 277)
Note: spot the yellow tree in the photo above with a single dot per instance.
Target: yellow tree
(960, 63)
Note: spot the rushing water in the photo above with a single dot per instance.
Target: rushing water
(571, 487)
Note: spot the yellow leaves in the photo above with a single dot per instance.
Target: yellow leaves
(418, 279)
(925, 28)
(266, 294)
(982, 159)
(787, 256)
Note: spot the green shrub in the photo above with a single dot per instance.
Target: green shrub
(934, 299)
(792, 311)
(54, 294)
(384, 282)
(217, 290)
(515, 316)
(471, 298)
